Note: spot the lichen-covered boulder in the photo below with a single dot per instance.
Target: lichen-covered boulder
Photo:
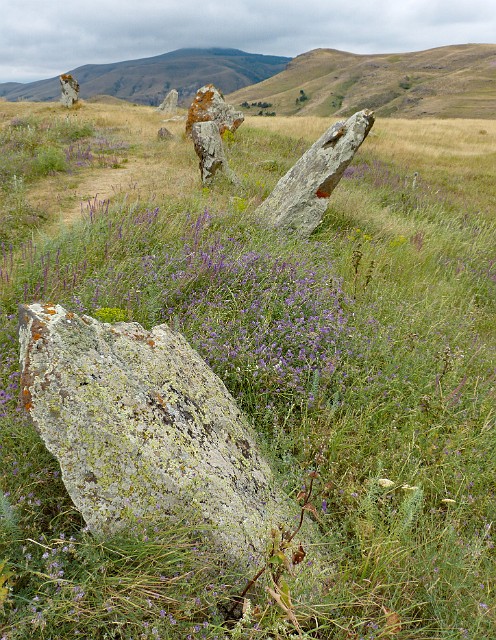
(169, 104)
(209, 104)
(70, 90)
(210, 150)
(143, 429)
(300, 198)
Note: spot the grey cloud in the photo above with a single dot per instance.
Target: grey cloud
(38, 40)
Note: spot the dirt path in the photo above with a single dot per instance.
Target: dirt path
(102, 184)
(70, 197)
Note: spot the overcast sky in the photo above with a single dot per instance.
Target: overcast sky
(44, 38)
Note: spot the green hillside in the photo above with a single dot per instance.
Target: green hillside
(455, 82)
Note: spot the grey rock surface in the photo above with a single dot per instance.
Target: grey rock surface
(209, 104)
(164, 134)
(70, 90)
(300, 198)
(210, 150)
(169, 104)
(143, 429)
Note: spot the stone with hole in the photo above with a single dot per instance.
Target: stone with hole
(300, 198)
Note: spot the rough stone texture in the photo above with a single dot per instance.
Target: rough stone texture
(70, 90)
(169, 105)
(143, 428)
(209, 104)
(164, 134)
(300, 198)
(209, 148)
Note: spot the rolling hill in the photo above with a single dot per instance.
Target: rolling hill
(148, 80)
(448, 82)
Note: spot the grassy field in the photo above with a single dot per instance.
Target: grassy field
(365, 354)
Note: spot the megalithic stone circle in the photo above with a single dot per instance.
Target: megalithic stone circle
(300, 198)
(144, 430)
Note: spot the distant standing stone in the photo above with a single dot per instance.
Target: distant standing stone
(144, 430)
(70, 90)
(164, 134)
(209, 104)
(169, 105)
(300, 198)
(209, 148)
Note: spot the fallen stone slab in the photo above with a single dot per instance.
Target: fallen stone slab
(209, 104)
(210, 150)
(300, 198)
(70, 90)
(144, 430)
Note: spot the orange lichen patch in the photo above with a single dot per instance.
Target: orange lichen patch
(158, 398)
(69, 315)
(151, 342)
(37, 329)
(66, 77)
(26, 399)
(49, 310)
(198, 111)
(320, 193)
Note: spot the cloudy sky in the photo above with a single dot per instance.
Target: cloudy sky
(43, 38)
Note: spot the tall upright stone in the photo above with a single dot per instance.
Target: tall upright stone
(169, 104)
(144, 430)
(70, 90)
(209, 104)
(209, 148)
(300, 198)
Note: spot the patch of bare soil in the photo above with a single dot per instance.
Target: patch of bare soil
(102, 184)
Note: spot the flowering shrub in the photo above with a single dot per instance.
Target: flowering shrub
(272, 328)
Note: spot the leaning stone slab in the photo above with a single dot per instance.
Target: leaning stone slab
(143, 429)
(300, 198)
(209, 104)
(209, 148)
(70, 90)
(169, 104)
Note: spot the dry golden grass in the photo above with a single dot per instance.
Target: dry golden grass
(152, 167)
(463, 149)
(457, 154)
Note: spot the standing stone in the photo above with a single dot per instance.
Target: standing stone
(169, 105)
(300, 198)
(144, 430)
(209, 104)
(164, 134)
(209, 148)
(70, 90)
